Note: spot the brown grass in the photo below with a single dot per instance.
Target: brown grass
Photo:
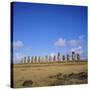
(46, 74)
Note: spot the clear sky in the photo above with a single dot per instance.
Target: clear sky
(44, 29)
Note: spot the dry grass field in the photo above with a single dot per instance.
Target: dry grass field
(49, 74)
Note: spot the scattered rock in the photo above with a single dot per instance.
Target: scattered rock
(69, 79)
(82, 75)
(27, 83)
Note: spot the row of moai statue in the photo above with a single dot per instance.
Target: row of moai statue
(44, 59)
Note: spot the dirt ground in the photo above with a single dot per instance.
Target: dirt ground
(49, 74)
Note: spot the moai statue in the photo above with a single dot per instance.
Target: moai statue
(46, 59)
(63, 57)
(78, 57)
(50, 58)
(58, 57)
(39, 59)
(68, 57)
(35, 59)
(32, 58)
(54, 58)
(21, 61)
(28, 60)
(24, 59)
(73, 56)
(42, 58)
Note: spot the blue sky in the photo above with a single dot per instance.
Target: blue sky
(43, 29)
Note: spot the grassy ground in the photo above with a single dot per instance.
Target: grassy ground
(49, 74)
